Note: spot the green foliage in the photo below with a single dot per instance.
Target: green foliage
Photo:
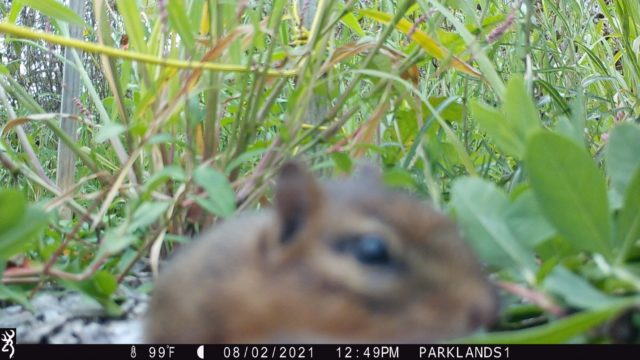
(558, 331)
(55, 10)
(511, 126)
(221, 200)
(482, 212)
(20, 223)
(571, 191)
(628, 226)
(622, 155)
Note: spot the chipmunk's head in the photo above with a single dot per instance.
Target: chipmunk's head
(354, 261)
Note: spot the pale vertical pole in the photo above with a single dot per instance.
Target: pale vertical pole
(65, 175)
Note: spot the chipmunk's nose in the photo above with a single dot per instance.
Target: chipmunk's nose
(484, 312)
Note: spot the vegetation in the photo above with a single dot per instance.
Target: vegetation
(520, 118)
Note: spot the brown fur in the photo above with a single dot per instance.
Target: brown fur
(276, 276)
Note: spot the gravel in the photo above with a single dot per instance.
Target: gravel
(74, 318)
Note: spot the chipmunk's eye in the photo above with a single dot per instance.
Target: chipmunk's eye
(369, 249)
(372, 250)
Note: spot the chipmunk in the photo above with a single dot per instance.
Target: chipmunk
(344, 261)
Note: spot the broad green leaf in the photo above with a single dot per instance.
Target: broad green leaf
(105, 283)
(56, 10)
(13, 206)
(147, 213)
(342, 161)
(133, 24)
(512, 125)
(352, 23)
(556, 332)
(481, 208)
(565, 127)
(576, 291)
(498, 128)
(115, 240)
(18, 237)
(160, 177)
(526, 221)
(162, 138)
(453, 111)
(180, 22)
(578, 116)
(89, 289)
(622, 155)
(107, 131)
(571, 191)
(221, 198)
(628, 229)
(398, 177)
(520, 110)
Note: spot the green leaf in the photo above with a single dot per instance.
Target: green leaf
(628, 229)
(578, 116)
(398, 177)
(16, 8)
(481, 211)
(622, 155)
(342, 161)
(576, 291)
(571, 191)
(172, 172)
(520, 110)
(565, 127)
(105, 283)
(20, 297)
(7, 293)
(18, 237)
(555, 95)
(498, 128)
(147, 213)
(526, 221)
(115, 240)
(109, 131)
(13, 206)
(518, 119)
(352, 23)
(221, 200)
(89, 288)
(56, 10)
(452, 111)
(556, 332)
(180, 22)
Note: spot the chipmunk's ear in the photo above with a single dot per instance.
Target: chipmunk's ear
(298, 197)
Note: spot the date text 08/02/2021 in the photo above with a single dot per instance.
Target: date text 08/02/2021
(366, 352)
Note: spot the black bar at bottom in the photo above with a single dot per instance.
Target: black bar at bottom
(338, 352)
